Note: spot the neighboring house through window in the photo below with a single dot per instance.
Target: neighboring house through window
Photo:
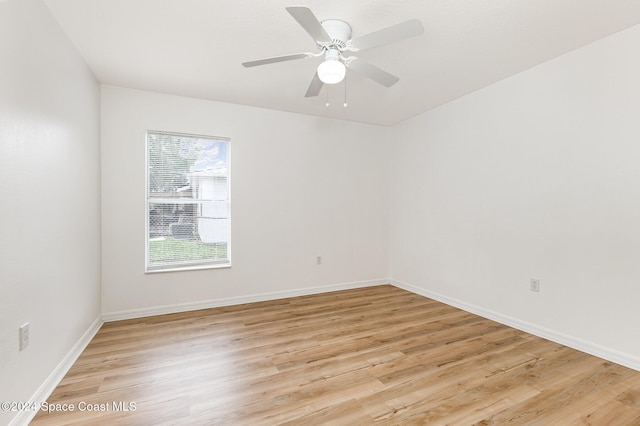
(187, 202)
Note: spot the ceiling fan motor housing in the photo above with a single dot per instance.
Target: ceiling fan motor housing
(339, 31)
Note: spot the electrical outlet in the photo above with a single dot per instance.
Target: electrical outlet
(318, 260)
(534, 285)
(24, 336)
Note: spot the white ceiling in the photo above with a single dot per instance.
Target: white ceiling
(195, 47)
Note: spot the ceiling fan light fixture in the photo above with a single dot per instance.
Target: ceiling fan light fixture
(331, 71)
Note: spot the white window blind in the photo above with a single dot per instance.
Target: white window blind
(188, 220)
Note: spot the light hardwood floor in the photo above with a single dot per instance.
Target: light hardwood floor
(376, 355)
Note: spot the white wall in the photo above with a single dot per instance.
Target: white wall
(537, 176)
(49, 197)
(301, 186)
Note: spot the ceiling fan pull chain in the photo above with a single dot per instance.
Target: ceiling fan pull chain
(345, 92)
(327, 104)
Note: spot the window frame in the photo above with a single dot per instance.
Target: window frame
(185, 265)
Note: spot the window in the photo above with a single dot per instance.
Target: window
(187, 202)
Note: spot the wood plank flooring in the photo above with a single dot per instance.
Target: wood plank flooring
(377, 355)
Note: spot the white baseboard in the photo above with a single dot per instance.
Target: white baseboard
(591, 348)
(228, 301)
(24, 417)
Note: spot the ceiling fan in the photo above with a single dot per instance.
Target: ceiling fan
(333, 39)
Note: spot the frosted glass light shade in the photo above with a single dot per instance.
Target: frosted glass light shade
(331, 71)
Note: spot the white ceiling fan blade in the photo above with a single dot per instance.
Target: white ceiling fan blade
(373, 72)
(390, 34)
(276, 59)
(309, 22)
(314, 87)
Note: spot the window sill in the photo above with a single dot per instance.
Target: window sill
(189, 268)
